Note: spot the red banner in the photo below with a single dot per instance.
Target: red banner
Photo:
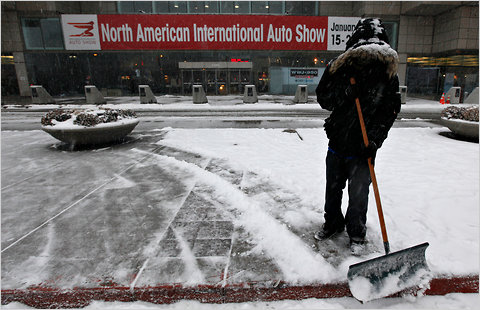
(212, 32)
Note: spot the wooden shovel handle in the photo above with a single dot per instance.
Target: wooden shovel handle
(372, 173)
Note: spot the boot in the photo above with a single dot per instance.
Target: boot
(357, 247)
(327, 233)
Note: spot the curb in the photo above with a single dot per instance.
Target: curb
(44, 297)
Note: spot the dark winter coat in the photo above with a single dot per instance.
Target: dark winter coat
(373, 63)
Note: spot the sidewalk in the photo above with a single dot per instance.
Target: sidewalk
(148, 220)
(215, 103)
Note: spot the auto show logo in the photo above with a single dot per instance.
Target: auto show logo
(80, 32)
(87, 27)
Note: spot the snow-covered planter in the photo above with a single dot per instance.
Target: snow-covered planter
(462, 121)
(89, 127)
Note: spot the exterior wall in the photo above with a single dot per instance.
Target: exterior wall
(376, 8)
(11, 35)
(66, 7)
(106, 7)
(335, 8)
(457, 29)
(36, 6)
(415, 34)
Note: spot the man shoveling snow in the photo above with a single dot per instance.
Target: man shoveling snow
(370, 63)
(373, 63)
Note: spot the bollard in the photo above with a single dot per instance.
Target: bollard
(93, 95)
(40, 95)
(454, 93)
(199, 94)
(250, 94)
(403, 94)
(301, 94)
(472, 97)
(146, 94)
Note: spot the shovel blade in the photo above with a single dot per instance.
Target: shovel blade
(389, 274)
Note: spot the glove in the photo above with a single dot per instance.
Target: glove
(351, 93)
(370, 151)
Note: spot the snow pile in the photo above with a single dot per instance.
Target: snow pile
(363, 289)
(462, 113)
(85, 118)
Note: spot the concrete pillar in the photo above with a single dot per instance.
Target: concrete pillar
(473, 97)
(403, 94)
(146, 94)
(402, 69)
(250, 94)
(22, 76)
(454, 93)
(40, 95)
(301, 94)
(199, 94)
(93, 95)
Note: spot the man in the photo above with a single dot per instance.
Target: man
(373, 63)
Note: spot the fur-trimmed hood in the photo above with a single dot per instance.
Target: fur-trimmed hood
(364, 55)
(368, 44)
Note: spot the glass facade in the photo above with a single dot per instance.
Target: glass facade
(63, 71)
(435, 75)
(219, 7)
(67, 73)
(42, 34)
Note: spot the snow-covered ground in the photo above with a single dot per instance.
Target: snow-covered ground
(429, 185)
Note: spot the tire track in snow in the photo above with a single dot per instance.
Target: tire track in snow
(297, 261)
(75, 203)
(39, 172)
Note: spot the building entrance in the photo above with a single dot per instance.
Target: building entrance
(217, 78)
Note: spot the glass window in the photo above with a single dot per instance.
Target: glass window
(300, 7)
(125, 6)
(241, 7)
(196, 7)
(177, 6)
(309, 8)
(42, 33)
(275, 7)
(134, 6)
(392, 31)
(211, 7)
(226, 7)
(293, 7)
(32, 33)
(160, 7)
(260, 7)
(52, 33)
(142, 6)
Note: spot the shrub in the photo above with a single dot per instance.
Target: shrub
(58, 115)
(87, 118)
(464, 113)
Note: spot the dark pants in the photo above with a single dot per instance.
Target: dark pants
(356, 171)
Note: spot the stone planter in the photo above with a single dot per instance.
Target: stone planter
(89, 127)
(468, 129)
(100, 134)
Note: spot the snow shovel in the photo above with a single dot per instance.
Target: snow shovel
(393, 272)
